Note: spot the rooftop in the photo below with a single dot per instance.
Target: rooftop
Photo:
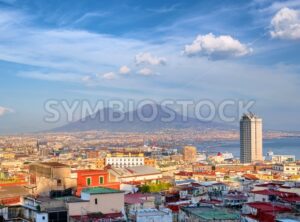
(184, 182)
(275, 193)
(249, 116)
(53, 164)
(147, 212)
(268, 207)
(207, 213)
(250, 176)
(136, 170)
(71, 199)
(136, 198)
(13, 191)
(286, 220)
(91, 172)
(100, 190)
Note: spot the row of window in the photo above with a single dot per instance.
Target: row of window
(128, 159)
(113, 161)
(89, 180)
(127, 164)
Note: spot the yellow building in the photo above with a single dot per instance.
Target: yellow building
(8, 156)
(150, 162)
(264, 176)
(189, 154)
(100, 163)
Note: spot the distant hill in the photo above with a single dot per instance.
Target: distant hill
(133, 123)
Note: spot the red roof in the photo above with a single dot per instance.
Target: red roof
(175, 206)
(266, 211)
(271, 185)
(275, 193)
(268, 207)
(208, 173)
(10, 200)
(196, 184)
(294, 199)
(183, 173)
(262, 217)
(87, 218)
(250, 177)
(136, 198)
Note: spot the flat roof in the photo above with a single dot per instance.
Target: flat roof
(71, 199)
(286, 220)
(54, 164)
(135, 171)
(207, 213)
(269, 207)
(50, 164)
(100, 190)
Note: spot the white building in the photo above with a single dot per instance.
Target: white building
(286, 168)
(93, 201)
(250, 138)
(151, 215)
(125, 160)
(280, 158)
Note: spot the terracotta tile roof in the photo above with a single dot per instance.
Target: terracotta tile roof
(268, 207)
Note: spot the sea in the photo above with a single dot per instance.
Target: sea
(285, 145)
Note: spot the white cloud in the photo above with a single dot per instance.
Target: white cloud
(109, 76)
(146, 58)
(145, 72)
(286, 24)
(86, 78)
(124, 70)
(54, 48)
(164, 9)
(52, 76)
(5, 110)
(90, 15)
(216, 47)
(275, 6)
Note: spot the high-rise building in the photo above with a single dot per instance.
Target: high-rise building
(250, 138)
(189, 153)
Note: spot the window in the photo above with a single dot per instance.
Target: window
(96, 201)
(101, 180)
(59, 182)
(88, 181)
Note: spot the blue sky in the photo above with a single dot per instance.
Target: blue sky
(217, 50)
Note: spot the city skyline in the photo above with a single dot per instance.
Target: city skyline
(148, 50)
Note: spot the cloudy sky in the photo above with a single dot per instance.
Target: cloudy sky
(217, 50)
